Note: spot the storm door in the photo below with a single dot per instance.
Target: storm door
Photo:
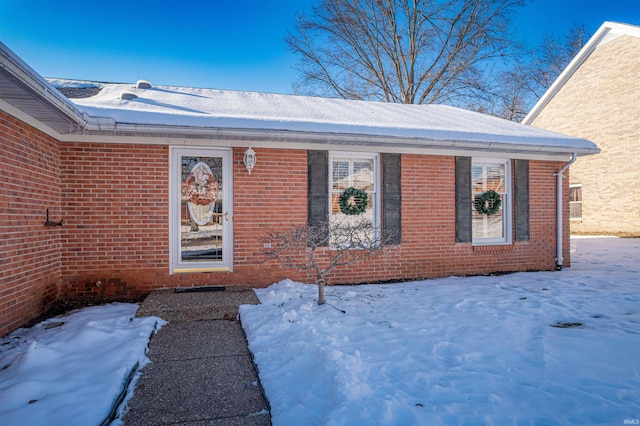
(201, 216)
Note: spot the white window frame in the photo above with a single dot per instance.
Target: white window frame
(376, 207)
(576, 185)
(506, 202)
(176, 265)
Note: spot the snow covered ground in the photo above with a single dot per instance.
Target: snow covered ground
(71, 369)
(472, 351)
(503, 350)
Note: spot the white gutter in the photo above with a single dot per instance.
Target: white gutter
(560, 209)
(278, 136)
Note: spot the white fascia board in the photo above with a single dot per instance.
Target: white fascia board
(231, 138)
(577, 61)
(127, 130)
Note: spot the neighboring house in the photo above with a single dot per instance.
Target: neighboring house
(597, 97)
(152, 191)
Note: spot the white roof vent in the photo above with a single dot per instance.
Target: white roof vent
(127, 96)
(143, 84)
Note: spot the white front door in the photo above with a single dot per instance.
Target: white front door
(200, 210)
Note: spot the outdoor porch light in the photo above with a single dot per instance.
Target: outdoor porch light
(249, 159)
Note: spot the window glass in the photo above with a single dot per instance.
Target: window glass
(201, 209)
(354, 171)
(575, 201)
(340, 174)
(363, 175)
(490, 227)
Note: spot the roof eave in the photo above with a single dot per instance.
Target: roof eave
(27, 88)
(107, 130)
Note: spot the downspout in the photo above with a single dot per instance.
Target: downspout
(560, 209)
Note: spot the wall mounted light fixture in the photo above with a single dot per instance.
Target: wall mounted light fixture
(249, 159)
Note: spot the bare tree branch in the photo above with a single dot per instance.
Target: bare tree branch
(319, 249)
(526, 80)
(409, 51)
(553, 55)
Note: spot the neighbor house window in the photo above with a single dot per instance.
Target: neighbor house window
(359, 171)
(575, 201)
(491, 175)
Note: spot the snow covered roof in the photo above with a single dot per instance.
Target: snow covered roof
(171, 115)
(247, 115)
(607, 32)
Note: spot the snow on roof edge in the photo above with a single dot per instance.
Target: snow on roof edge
(427, 131)
(195, 109)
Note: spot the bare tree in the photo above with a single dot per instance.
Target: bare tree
(532, 72)
(320, 248)
(552, 57)
(513, 97)
(404, 51)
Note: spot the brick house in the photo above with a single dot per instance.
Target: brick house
(152, 190)
(597, 97)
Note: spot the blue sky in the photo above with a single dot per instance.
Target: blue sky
(224, 44)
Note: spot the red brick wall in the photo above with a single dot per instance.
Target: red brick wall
(428, 246)
(275, 194)
(29, 251)
(114, 244)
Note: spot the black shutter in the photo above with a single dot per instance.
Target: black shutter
(318, 187)
(521, 199)
(391, 198)
(463, 199)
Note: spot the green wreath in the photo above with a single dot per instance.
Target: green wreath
(353, 201)
(488, 203)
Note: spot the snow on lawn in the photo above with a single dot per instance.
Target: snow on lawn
(529, 348)
(70, 370)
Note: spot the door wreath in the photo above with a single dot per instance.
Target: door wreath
(200, 187)
(488, 202)
(353, 201)
(201, 190)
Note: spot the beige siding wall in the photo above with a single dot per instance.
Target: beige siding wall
(601, 102)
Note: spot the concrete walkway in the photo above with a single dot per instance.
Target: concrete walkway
(201, 371)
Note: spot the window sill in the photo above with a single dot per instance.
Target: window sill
(196, 270)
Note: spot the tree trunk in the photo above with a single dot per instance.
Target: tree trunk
(321, 292)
